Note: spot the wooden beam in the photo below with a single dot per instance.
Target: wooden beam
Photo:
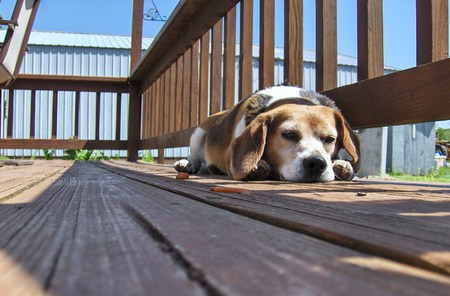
(170, 140)
(70, 83)
(62, 144)
(414, 95)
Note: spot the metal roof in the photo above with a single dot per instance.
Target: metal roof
(47, 38)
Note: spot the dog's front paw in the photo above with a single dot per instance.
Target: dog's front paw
(343, 170)
(262, 171)
(184, 166)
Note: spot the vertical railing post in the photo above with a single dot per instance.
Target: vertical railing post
(134, 122)
(267, 43)
(370, 39)
(134, 112)
(245, 50)
(432, 30)
(55, 114)
(9, 131)
(293, 42)
(326, 44)
(136, 32)
(32, 113)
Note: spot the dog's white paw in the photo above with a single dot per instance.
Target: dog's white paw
(343, 170)
(185, 166)
(182, 165)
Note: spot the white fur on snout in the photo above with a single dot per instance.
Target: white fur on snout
(294, 170)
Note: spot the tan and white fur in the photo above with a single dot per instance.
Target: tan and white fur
(280, 133)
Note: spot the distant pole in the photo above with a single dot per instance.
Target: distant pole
(136, 32)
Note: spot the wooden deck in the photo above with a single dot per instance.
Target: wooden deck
(117, 228)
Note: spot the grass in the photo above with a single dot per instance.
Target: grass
(441, 175)
(148, 157)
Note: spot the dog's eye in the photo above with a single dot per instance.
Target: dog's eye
(329, 139)
(290, 135)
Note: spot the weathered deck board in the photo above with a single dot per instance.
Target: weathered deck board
(108, 229)
(408, 223)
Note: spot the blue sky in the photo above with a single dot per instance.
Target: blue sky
(114, 17)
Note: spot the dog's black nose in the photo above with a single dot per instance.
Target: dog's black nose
(314, 165)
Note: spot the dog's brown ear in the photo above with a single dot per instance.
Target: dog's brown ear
(248, 148)
(348, 140)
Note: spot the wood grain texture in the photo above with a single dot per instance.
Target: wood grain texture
(62, 144)
(189, 21)
(107, 229)
(326, 44)
(370, 39)
(414, 95)
(204, 77)
(245, 49)
(267, 43)
(194, 103)
(215, 96)
(293, 42)
(390, 221)
(431, 30)
(229, 60)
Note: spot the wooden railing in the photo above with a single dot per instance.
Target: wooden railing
(178, 91)
(56, 84)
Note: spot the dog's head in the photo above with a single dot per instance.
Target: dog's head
(298, 141)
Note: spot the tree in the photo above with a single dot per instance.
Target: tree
(442, 134)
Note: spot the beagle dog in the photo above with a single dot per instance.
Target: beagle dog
(279, 133)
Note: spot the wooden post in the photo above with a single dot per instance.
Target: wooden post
(134, 122)
(293, 42)
(326, 45)
(136, 32)
(267, 43)
(432, 30)
(370, 39)
(134, 112)
(245, 56)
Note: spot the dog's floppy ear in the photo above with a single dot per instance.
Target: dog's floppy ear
(348, 140)
(248, 148)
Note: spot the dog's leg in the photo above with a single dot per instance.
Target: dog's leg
(343, 170)
(262, 171)
(195, 159)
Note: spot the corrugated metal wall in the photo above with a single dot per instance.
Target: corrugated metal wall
(62, 60)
